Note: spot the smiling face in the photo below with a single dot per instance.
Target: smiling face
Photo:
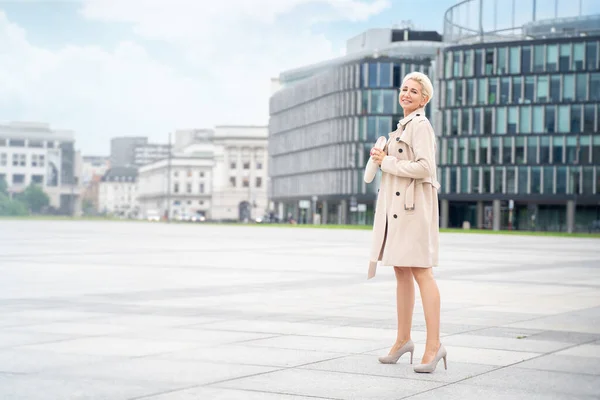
(411, 96)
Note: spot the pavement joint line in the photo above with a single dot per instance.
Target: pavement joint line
(508, 366)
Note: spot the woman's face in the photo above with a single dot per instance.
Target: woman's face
(411, 96)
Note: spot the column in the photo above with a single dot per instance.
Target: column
(570, 216)
(479, 215)
(342, 212)
(324, 216)
(496, 215)
(444, 212)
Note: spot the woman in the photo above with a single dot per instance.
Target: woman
(406, 227)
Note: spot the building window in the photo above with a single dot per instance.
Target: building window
(591, 56)
(507, 150)
(259, 165)
(478, 62)
(471, 99)
(481, 91)
(189, 188)
(37, 179)
(555, 88)
(477, 121)
(550, 119)
(564, 119)
(233, 165)
(189, 173)
(246, 165)
(201, 174)
(542, 89)
(515, 60)
(581, 87)
(564, 60)
(258, 182)
(529, 89)
(519, 150)
(489, 61)
(526, 60)
(245, 182)
(532, 145)
(17, 143)
(501, 67)
(538, 58)
(561, 180)
(202, 188)
(37, 160)
(493, 91)
(575, 119)
(501, 120)
(176, 188)
(19, 160)
(588, 118)
(3, 160)
(552, 58)
(536, 182)
(523, 180)
(468, 63)
(512, 120)
(18, 179)
(373, 75)
(569, 88)
(557, 149)
(578, 54)
(595, 86)
(232, 181)
(538, 119)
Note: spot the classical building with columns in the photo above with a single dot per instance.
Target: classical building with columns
(219, 174)
(324, 118)
(519, 122)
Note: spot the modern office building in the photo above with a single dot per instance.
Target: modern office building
(324, 118)
(33, 153)
(519, 115)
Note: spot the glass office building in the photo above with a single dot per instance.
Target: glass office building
(519, 126)
(325, 118)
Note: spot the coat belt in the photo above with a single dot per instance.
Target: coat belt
(409, 198)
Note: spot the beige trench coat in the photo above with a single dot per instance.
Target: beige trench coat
(406, 226)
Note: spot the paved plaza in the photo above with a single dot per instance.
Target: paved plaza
(135, 310)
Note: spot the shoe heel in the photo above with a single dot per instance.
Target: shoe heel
(445, 364)
(411, 357)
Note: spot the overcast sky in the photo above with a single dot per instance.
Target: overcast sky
(106, 68)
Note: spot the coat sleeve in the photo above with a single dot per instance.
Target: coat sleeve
(423, 144)
(372, 168)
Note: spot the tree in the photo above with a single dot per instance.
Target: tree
(10, 207)
(34, 198)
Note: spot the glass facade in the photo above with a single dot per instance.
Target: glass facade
(528, 128)
(322, 128)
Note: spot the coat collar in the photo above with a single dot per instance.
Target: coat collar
(418, 112)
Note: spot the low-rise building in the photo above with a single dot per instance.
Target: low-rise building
(118, 192)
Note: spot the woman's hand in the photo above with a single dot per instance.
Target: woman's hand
(377, 156)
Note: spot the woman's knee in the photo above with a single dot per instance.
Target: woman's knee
(403, 273)
(422, 275)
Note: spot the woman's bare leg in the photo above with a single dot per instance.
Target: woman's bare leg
(430, 296)
(405, 303)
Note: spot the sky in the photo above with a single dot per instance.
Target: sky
(107, 68)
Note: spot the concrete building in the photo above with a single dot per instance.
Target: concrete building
(520, 120)
(122, 150)
(219, 174)
(35, 153)
(149, 152)
(326, 117)
(118, 192)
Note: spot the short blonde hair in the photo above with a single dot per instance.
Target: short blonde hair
(426, 86)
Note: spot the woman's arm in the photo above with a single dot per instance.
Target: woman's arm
(423, 144)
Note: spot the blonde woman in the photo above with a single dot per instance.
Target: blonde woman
(406, 227)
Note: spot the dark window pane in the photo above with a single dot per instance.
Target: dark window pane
(536, 183)
(525, 119)
(453, 180)
(456, 62)
(578, 53)
(542, 89)
(538, 119)
(511, 182)
(489, 61)
(596, 150)
(507, 150)
(462, 151)
(571, 155)
(493, 91)
(495, 151)
(588, 180)
(477, 121)
(523, 180)
(515, 60)
(519, 150)
(557, 149)
(591, 57)
(555, 88)
(449, 93)
(588, 118)
(487, 121)
(484, 144)
(498, 179)
(516, 90)
(475, 174)
(478, 62)
(486, 184)
(464, 180)
(565, 57)
(504, 90)
(481, 90)
(465, 121)
(595, 86)
(397, 76)
(454, 123)
(576, 119)
(468, 63)
(458, 100)
(561, 180)
(512, 120)
(532, 143)
(574, 180)
(548, 180)
(564, 119)
(529, 89)
(472, 151)
(550, 126)
(501, 64)
(471, 99)
(544, 150)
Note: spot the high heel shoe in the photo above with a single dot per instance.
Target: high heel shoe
(441, 354)
(394, 357)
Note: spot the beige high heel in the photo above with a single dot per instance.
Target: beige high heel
(394, 357)
(428, 368)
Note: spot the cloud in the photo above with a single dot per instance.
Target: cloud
(227, 51)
